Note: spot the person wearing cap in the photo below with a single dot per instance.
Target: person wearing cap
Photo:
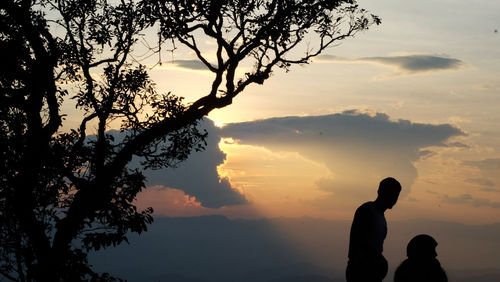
(421, 264)
(368, 231)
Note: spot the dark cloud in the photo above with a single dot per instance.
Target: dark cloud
(348, 127)
(457, 145)
(468, 199)
(480, 181)
(486, 164)
(418, 63)
(424, 154)
(198, 176)
(409, 63)
(360, 149)
(190, 64)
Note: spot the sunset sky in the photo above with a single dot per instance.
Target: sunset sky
(416, 98)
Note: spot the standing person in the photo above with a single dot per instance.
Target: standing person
(368, 231)
(421, 264)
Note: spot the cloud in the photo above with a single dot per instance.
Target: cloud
(487, 189)
(376, 130)
(198, 177)
(360, 149)
(171, 202)
(342, 188)
(407, 64)
(480, 181)
(468, 199)
(488, 86)
(486, 164)
(418, 63)
(424, 154)
(457, 145)
(190, 64)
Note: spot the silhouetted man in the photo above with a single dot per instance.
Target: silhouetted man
(421, 264)
(369, 228)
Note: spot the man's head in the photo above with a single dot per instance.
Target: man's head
(388, 192)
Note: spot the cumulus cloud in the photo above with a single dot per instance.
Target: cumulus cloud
(198, 177)
(480, 181)
(360, 149)
(348, 127)
(408, 63)
(486, 164)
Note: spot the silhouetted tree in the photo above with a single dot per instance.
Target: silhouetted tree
(65, 191)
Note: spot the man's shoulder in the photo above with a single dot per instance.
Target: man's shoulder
(366, 207)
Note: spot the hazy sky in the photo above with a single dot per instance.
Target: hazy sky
(416, 98)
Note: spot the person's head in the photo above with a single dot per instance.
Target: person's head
(421, 247)
(388, 192)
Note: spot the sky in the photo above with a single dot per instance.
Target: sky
(415, 98)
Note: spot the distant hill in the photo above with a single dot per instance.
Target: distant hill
(304, 278)
(218, 249)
